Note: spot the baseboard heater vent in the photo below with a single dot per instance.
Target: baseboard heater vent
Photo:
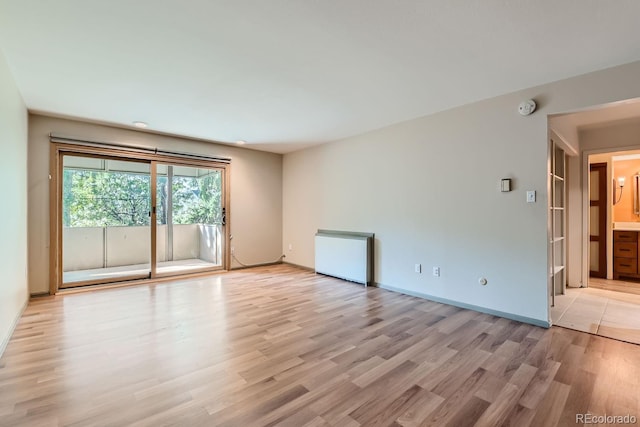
(346, 255)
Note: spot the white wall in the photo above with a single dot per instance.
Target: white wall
(135, 239)
(13, 217)
(83, 248)
(256, 190)
(429, 189)
(620, 136)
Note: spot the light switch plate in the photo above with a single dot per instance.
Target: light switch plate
(531, 196)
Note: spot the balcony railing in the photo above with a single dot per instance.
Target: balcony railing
(86, 248)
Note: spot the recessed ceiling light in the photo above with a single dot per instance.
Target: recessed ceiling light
(140, 125)
(241, 142)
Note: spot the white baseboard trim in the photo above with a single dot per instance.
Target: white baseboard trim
(5, 340)
(511, 316)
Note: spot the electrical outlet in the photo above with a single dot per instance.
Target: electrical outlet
(290, 247)
(436, 271)
(233, 250)
(418, 268)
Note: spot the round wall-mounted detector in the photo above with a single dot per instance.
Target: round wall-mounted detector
(482, 281)
(527, 107)
(241, 142)
(140, 125)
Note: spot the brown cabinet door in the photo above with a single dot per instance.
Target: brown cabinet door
(625, 250)
(624, 266)
(598, 220)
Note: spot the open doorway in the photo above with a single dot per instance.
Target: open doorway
(614, 220)
(607, 303)
(603, 221)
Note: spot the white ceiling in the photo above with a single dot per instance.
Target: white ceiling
(283, 74)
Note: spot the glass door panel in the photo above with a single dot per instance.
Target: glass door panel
(189, 219)
(105, 220)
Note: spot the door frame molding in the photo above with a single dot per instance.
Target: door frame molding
(56, 154)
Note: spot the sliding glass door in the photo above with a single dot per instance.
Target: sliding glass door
(189, 219)
(122, 219)
(105, 220)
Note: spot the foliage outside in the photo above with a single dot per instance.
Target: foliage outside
(106, 199)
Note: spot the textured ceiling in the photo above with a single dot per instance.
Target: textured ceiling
(283, 74)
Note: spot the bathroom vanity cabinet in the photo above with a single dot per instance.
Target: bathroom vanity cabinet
(625, 254)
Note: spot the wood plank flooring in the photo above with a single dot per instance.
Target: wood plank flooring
(283, 346)
(615, 285)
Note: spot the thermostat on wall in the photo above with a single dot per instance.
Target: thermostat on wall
(505, 185)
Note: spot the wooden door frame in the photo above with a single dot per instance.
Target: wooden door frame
(602, 219)
(56, 154)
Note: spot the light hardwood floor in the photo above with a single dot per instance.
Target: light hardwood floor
(615, 285)
(282, 346)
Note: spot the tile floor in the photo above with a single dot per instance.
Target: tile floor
(598, 311)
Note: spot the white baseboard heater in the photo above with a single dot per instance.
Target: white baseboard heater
(346, 255)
